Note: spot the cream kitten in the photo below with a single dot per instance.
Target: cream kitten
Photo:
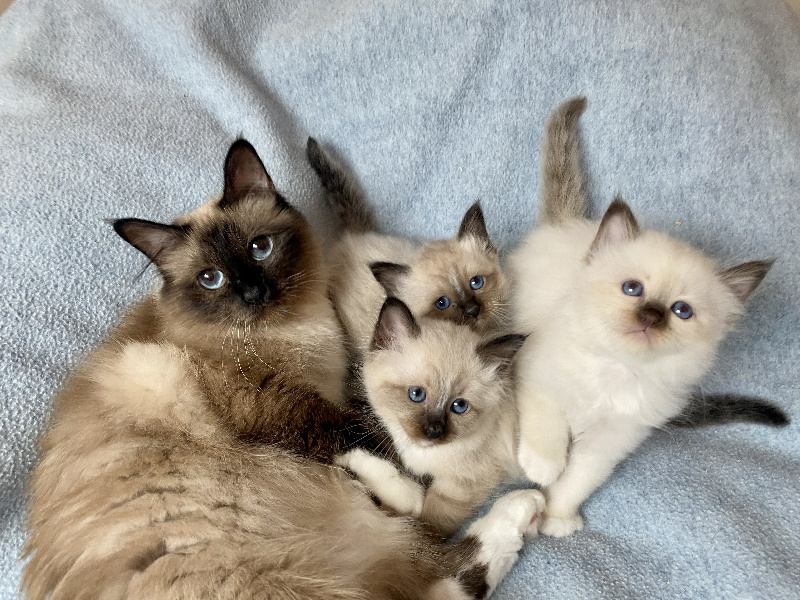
(459, 279)
(625, 322)
(445, 395)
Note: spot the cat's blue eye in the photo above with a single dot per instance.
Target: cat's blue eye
(459, 406)
(633, 288)
(261, 247)
(683, 310)
(211, 279)
(476, 282)
(417, 394)
(442, 302)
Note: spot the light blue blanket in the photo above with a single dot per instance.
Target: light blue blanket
(126, 108)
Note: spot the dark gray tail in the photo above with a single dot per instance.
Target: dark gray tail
(354, 213)
(717, 409)
(563, 195)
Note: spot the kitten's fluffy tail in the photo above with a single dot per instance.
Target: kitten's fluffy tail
(354, 213)
(563, 196)
(717, 409)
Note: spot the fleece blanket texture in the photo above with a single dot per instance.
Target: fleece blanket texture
(124, 108)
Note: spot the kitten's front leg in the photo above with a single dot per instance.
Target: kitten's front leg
(447, 512)
(594, 454)
(544, 435)
(394, 490)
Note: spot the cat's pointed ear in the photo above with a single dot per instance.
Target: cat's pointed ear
(501, 351)
(389, 275)
(744, 278)
(474, 224)
(617, 227)
(395, 325)
(148, 237)
(244, 173)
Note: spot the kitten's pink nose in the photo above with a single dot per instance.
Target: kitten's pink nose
(651, 317)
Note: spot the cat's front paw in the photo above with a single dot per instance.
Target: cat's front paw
(558, 526)
(538, 468)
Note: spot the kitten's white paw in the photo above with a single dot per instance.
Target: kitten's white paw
(539, 469)
(561, 526)
(501, 531)
(394, 490)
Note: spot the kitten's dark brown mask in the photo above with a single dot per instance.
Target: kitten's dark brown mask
(244, 258)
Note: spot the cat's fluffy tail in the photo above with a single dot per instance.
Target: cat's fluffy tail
(563, 196)
(716, 409)
(354, 213)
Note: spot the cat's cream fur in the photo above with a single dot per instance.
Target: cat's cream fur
(418, 273)
(178, 463)
(602, 368)
(466, 455)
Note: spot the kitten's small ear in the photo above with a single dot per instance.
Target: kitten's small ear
(148, 237)
(395, 325)
(389, 275)
(617, 227)
(744, 278)
(474, 224)
(244, 173)
(501, 351)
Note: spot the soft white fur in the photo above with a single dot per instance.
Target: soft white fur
(588, 372)
(396, 491)
(501, 531)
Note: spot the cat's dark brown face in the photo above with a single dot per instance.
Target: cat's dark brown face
(246, 258)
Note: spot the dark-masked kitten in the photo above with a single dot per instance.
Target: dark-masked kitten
(625, 322)
(459, 279)
(446, 397)
(178, 463)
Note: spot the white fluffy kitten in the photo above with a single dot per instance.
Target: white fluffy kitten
(625, 322)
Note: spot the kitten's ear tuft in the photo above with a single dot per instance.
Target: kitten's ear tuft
(389, 275)
(744, 278)
(148, 237)
(617, 227)
(244, 173)
(395, 325)
(474, 224)
(501, 351)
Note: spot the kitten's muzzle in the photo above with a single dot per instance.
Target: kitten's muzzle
(652, 316)
(472, 309)
(434, 426)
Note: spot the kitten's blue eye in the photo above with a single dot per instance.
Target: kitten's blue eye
(476, 282)
(633, 288)
(442, 302)
(261, 247)
(683, 310)
(417, 394)
(459, 406)
(211, 279)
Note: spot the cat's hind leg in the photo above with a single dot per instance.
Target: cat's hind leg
(500, 532)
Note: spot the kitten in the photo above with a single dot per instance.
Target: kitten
(625, 322)
(459, 279)
(445, 395)
(178, 461)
